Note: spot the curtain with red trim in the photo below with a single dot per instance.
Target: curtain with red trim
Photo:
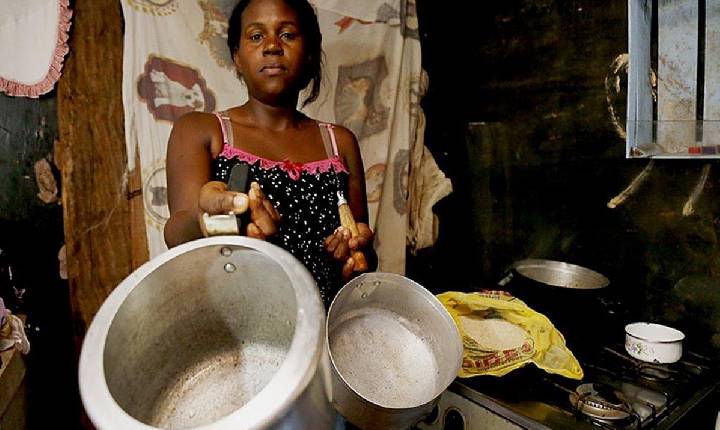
(33, 45)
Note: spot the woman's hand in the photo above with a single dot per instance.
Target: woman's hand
(341, 245)
(216, 199)
(264, 218)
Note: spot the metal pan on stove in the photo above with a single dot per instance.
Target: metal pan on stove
(571, 296)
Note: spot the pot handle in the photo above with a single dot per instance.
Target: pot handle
(504, 281)
(231, 223)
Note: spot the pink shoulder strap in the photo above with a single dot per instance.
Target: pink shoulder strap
(328, 133)
(226, 128)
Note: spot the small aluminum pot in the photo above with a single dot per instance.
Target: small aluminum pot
(653, 343)
(393, 348)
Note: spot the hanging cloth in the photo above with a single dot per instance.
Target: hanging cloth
(33, 44)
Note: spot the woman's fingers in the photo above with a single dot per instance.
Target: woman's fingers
(215, 199)
(340, 246)
(348, 269)
(262, 213)
(337, 244)
(266, 203)
(332, 241)
(254, 231)
(342, 250)
(363, 239)
(274, 214)
(240, 203)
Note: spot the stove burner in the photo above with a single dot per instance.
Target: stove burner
(600, 401)
(625, 393)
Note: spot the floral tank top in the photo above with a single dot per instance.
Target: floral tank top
(305, 196)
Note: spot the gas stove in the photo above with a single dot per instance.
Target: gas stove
(617, 392)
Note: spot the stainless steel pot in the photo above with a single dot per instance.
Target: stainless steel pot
(573, 297)
(394, 349)
(219, 333)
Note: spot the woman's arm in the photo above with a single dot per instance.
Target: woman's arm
(350, 153)
(357, 198)
(188, 169)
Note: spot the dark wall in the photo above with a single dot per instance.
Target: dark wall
(519, 118)
(31, 234)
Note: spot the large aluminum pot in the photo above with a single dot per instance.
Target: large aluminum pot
(394, 349)
(219, 333)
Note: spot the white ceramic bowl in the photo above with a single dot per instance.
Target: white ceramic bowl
(653, 343)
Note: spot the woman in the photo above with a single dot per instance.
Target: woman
(296, 173)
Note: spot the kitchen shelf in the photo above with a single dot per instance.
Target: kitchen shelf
(673, 139)
(673, 97)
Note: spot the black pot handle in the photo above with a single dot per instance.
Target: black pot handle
(508, 277)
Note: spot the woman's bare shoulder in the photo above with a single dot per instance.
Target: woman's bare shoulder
(200, 128)
(196, 119)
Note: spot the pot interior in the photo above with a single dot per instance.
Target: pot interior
(200, 336)
(560, 274)
(392, 342)
(654, 332)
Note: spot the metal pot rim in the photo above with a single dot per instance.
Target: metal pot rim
(680, 335)
(273, 401)
(600, 280)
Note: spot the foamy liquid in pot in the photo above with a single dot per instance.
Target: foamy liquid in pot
(385, 361)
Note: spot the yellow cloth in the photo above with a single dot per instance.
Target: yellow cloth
(543, 344)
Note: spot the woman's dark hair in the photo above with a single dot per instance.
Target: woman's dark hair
(311, 35)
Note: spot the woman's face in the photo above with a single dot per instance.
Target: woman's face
(271, 52)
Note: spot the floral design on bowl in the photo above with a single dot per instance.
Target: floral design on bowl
(639, 349)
